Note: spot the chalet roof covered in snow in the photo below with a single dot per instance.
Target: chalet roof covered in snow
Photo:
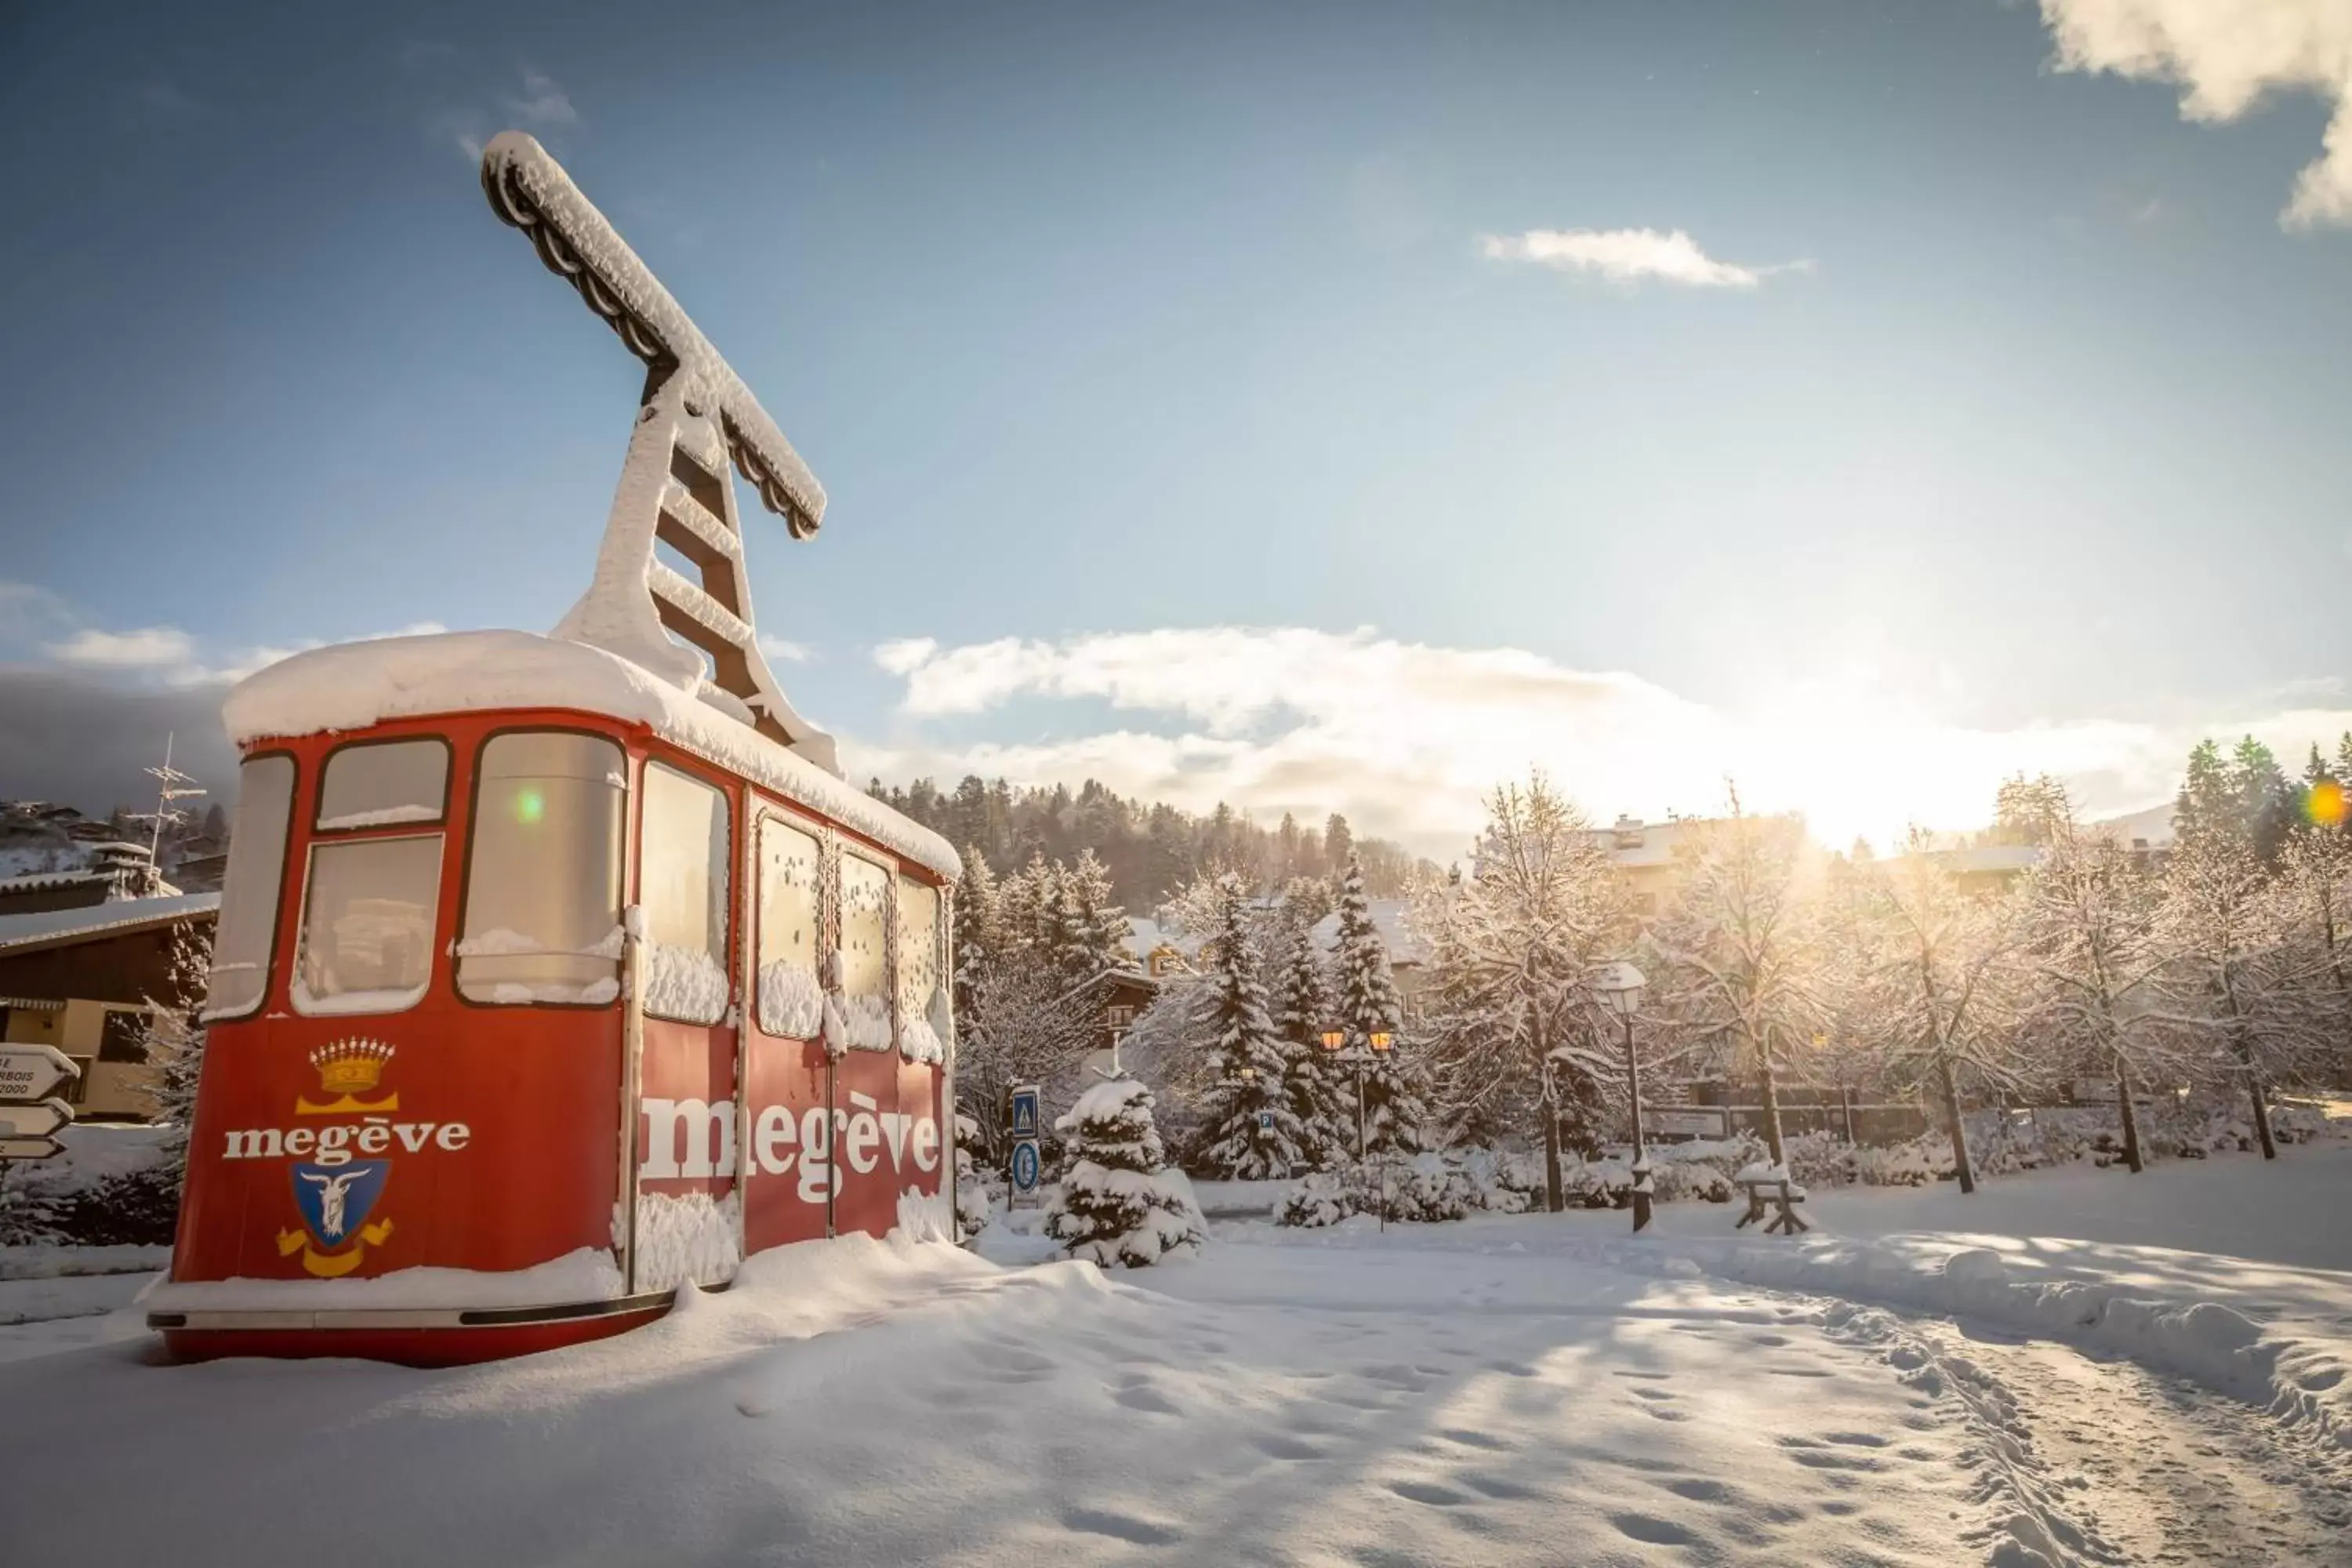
(124, 914)
(1388, 915)
(351, 686)
(1405, 949)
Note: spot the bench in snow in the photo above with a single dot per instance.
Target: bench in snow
(1784, 1194)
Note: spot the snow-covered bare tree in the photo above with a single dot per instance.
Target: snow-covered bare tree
(1937, 989)
(2093, 966)
(1024, 1013)
(1390, 1110)
(1253, 1131)
(2249, 994)
(2315, 892)
(1118, 1202)
(1510, 1022)
(1739, 946)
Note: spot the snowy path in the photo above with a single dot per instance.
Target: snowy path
(1342, 1399)
(2159, 1470)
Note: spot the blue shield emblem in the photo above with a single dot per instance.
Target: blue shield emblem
(335, 1200)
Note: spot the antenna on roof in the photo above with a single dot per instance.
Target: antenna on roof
(694, 415)
(170, 784)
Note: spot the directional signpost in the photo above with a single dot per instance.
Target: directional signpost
(29, 1113)
(35, 1120)
(1025, 1167)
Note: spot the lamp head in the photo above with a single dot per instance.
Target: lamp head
(1619, 985)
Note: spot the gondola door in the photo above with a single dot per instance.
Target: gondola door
(685, 1225)
(786, 1119)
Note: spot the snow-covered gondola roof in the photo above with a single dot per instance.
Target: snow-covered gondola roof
(351, 686)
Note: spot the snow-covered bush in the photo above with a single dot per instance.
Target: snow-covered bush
(1321, 1199)
(972, 1201)
(1424, 1189)
(1120, 1201)
(112, 1187)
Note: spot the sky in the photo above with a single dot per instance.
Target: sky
(1315, 408)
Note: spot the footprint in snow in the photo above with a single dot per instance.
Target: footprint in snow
(1652, 1530)
(1277, 1446)
(1471, 1440)
(1145, 1398)
(1119, 1527)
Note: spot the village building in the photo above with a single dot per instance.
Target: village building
(87, 979)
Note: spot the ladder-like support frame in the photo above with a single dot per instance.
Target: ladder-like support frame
(695, 415)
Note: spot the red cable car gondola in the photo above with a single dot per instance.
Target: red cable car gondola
(555, 973)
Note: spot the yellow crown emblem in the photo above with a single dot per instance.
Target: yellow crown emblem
(349, 1067)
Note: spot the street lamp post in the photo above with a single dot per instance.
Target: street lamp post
(1619, 985)
(1380, 1040)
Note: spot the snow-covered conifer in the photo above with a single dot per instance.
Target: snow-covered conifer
(174, 1042)
(1253, 1131)
(1366, 1001)
(977, 915)
(1089, 933)
(1322, 1094)
(1120, 1202)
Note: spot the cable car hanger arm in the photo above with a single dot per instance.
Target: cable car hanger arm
(530, 190)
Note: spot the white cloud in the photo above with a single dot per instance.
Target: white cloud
(542, 105)
(784, 648)
(170, 656)
(905, 654)
(2228, 56)
(543, 101)
(243, 662)
(1627, 255)
(1406, 737)
(150, 647)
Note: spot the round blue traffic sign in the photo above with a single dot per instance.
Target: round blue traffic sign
(1025, 1167)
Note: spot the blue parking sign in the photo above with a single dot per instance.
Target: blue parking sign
(1025, 1167)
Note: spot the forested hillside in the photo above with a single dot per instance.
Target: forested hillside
(1150, 849)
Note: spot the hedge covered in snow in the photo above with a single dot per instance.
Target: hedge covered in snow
(1457, 1182)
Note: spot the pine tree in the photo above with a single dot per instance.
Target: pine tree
(1089, 932)
(977, 915)
(1321, 1095)
(1338, 842)
(1393, 1113)
(1253, 1133)
(1118, 1200)
(174, 1044)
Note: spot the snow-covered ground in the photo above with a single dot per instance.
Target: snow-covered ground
(1924, 1380)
